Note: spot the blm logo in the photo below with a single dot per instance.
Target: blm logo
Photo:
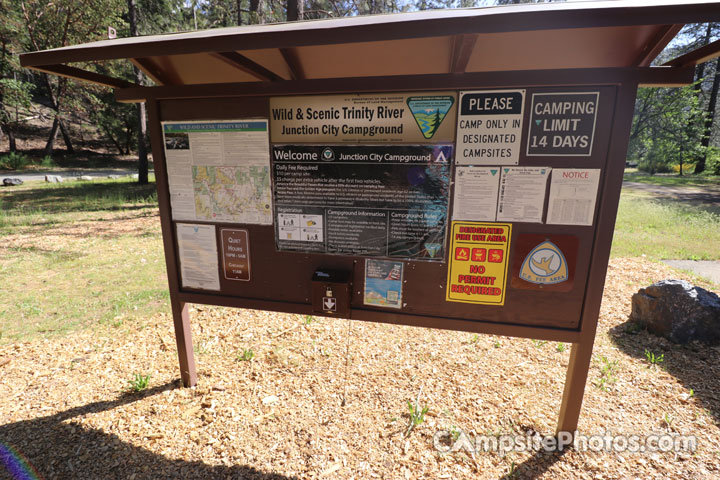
(429, 112)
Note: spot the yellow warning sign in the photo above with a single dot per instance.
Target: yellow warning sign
(478, 262)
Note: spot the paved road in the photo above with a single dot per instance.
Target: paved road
(66, 174)
(709, 269)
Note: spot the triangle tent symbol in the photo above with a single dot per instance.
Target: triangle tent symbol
(429, 112)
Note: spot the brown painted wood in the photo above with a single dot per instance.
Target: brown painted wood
(407, 83)
(393, 27)
(79, 74)
(655, 46)
(462, 49)
(246, 65)
(698, 56)
(293, 62)
(443, 323)
(181, 317)
(157, 75)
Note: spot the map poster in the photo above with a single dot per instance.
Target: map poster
(419, 117)
(219, 171)
(379, 201)
(383, 283)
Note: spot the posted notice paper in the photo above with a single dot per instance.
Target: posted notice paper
(522, 194)
(198, 256)
(476, 193)
(573, 192)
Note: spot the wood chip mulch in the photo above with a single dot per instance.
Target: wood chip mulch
(327, 399)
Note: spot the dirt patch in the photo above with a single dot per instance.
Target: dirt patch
(280, 415)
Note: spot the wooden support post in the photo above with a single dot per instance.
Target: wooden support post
(183, 338)
(609, 198)
(575, 380)
(181, 316)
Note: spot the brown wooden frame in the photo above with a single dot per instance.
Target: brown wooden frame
(582, 339)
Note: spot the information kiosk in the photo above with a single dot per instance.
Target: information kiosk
(456, 169)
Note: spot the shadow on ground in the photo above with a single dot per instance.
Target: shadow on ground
(705, 197)
(81, 197)
(55, 447)
(536, 465)
(695, 365)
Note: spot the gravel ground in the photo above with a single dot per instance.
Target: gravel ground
(327, 398)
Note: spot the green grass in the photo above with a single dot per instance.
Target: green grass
(672, 180)
(664, 229)
(74, 255)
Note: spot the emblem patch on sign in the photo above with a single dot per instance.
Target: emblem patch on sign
(429, 112)
(544, 265)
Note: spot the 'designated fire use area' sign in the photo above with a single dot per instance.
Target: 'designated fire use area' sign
(453, 169)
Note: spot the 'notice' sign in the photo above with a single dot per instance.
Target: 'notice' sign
(489, 127)
(562, 124)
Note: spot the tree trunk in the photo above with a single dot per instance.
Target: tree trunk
(700, 165)
(50, 145)
(256, 11)
(11, 140)
(239, 10)
(295, 10)
(699, 74)
(66, 137)
(142, 130)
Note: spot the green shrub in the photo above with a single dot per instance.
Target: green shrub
(14, 161)
(47, 162)
(712, 165)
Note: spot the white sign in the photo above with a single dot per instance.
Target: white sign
(522, 194)
(197, 249)
(573, 192)
(489, 127)
(219, 171)
(476, 193)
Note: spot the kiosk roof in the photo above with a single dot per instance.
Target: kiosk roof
(604, 34)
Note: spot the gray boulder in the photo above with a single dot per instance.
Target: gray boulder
(678, 311)
(9, 182)
(53, 178)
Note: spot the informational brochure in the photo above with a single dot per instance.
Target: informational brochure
(383, 283)
(198, 256)
(476, 193)
(522, 194)
(573, 192)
